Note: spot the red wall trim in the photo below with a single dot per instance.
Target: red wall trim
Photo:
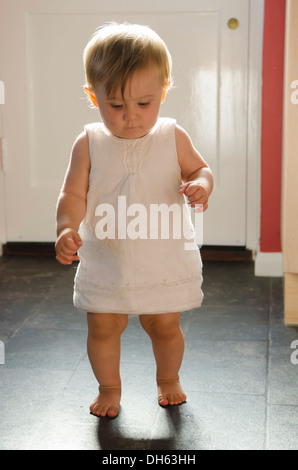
(272, 111)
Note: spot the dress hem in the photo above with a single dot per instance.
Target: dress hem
(177, 309)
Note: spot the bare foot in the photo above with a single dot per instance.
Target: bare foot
(107, 403)
(170, 391)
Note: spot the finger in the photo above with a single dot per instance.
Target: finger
(195, 196)
(67, 255)
(70, 234)
(73, 244)
(70, 246)
(62, 260)
(77, 239)
(200, 207)
(67, 259)
(193, 188)
(183, 187)
(199, 195)
(67, 249)
(191, 191)
(197, 188)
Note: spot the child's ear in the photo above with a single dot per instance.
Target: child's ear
(91, 96)
(164, 93)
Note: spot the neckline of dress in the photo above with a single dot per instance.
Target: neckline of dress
(133, 141)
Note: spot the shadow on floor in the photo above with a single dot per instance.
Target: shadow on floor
(114, 436)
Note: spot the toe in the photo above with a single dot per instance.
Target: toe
(94, 409)
(98, 409)
(103, 411)
(113, 412)
(162, 400)
(176, 399)
(173, 400)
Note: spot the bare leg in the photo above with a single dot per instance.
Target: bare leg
(168, 347)
(103, 346)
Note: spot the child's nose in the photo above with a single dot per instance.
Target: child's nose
(129, 114)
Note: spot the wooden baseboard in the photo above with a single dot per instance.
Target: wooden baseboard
(208, 253)
(29, 249)
(291, 299)
(226, 253)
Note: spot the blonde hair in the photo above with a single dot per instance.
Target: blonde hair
(116, 51)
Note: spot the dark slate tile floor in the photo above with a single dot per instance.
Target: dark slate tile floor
(237, 370)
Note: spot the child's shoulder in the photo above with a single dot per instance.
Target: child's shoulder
(81, 141)
(94, 127)
(80, 150)
(165, 123)
(168, 124)
(182, 138)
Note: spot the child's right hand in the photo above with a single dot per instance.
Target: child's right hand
(67, 245)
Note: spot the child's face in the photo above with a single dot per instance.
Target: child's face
(135, 114)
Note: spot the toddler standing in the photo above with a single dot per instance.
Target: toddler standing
(125, 174)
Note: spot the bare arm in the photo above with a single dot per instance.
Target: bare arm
(71, 205)
(196, 175)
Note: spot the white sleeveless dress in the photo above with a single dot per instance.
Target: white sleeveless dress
(134, 258)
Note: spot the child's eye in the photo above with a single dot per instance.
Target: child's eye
(142, 105)
(117, 106)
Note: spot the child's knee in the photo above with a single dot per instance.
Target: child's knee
(104, 326)
(163, 326)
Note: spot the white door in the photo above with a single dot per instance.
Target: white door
(41, 45)
(2, 192)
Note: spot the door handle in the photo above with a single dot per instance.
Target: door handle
(233, 23)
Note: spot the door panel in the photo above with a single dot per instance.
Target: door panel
(41, 66)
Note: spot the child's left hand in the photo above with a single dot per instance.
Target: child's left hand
(196, 194)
